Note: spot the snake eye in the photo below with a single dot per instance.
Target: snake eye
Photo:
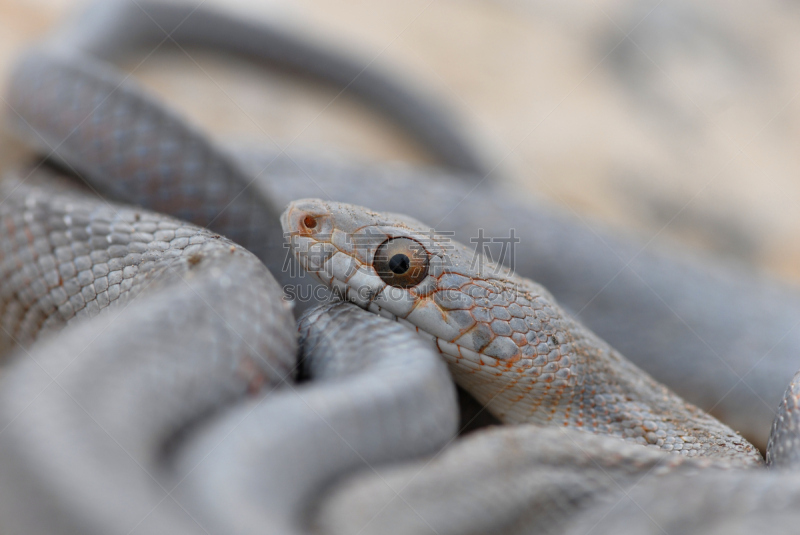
(310, 222)
(401, 262)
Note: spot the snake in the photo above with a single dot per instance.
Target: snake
(68, 101)
(720, 336)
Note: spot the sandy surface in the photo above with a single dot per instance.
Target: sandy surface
(679, 120)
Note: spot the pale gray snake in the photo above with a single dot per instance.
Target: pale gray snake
(121, 412)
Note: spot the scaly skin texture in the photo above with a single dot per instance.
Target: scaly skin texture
(550, 477)
(131, 326)
(737, 502)
(501, 480)
(783, 448)
(505, 338)
(363, 406)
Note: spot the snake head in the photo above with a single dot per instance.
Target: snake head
(368, 257)
(502, 335)
(394, 265)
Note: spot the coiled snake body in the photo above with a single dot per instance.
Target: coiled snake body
(174, 384)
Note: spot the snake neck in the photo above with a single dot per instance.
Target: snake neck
(528, 361)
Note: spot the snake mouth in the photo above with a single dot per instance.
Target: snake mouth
(455, 354)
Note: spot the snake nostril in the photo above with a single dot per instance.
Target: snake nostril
(309, 222)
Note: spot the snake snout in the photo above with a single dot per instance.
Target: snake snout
(307, 217)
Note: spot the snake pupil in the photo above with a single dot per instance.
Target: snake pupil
(309, 222)
(399, 264)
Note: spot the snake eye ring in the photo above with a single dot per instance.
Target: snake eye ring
(401, 262)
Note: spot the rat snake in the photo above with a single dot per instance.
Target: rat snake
(150, 394)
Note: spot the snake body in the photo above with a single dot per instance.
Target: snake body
(70, 103)
(733, 502)
(367, 406)
(99, 404)
(524, 478)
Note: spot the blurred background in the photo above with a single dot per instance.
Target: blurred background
(675, 120)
